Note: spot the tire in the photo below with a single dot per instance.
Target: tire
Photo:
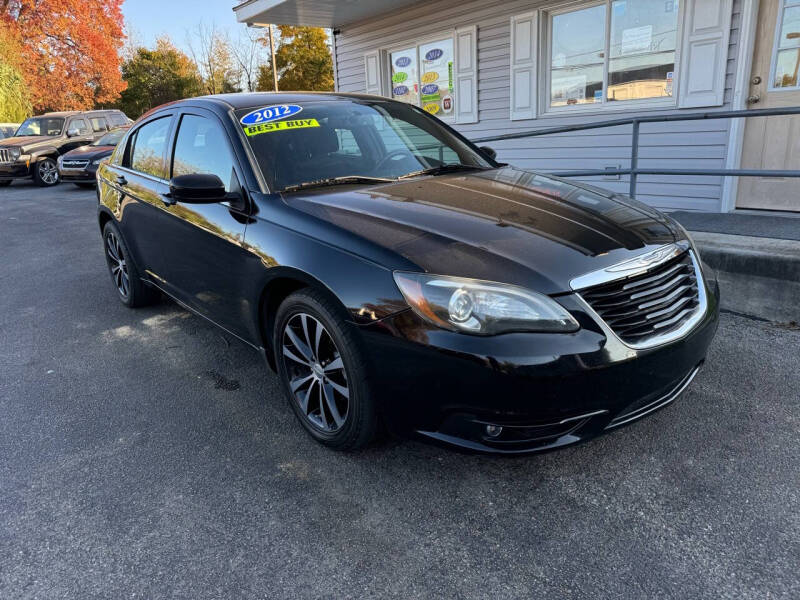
(85, 186)
(131, 290)
(336, 364)
(5, 183)
(45, 173)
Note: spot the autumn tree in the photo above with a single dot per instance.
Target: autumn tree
(157, 76)
(15, 103)
(303, 59)
(69, 50)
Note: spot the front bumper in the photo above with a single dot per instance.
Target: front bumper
(86, 175)
(544, 390)
(18, 170)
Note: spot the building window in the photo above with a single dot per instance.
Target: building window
(612, 51)
(423, 75)
(786, 57)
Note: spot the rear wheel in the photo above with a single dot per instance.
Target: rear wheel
(45, 173)
(132, 291)
(323, 372)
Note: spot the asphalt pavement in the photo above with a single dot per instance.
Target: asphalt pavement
(146, 454)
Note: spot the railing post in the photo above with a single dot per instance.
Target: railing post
(634, 158)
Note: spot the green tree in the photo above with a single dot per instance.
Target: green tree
(15, 104)
(157, 76)
(303, 59)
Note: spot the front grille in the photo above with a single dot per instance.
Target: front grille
(650, 304)
(74, 164)
(5, 155)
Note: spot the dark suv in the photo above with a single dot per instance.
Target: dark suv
(34, 149)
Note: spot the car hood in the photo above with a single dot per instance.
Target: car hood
(90, 152)
(26, 142)
(505, 224)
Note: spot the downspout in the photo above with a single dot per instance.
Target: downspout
(334, 33)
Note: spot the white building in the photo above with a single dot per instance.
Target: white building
(491, 67)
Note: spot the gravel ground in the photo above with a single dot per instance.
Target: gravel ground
(145, 454)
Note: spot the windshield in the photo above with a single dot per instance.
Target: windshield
(112, 138)
(49, 126)
(320, 141)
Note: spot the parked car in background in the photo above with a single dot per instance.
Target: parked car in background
(389, 270)
(33, 150)
(79, 166)
(7, 130)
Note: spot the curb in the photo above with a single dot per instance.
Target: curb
(758, 277)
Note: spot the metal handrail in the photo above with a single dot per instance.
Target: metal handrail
(634, 171)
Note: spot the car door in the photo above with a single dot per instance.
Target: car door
(203, 254)
(140, 180)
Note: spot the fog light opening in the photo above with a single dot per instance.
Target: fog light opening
(493, 431)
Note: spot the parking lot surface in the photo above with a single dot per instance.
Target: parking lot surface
(146, 454)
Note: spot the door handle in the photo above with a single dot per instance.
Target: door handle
(121, 180)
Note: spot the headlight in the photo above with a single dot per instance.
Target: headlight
(481, 307)
(60, 161)
(98, 161)
(15, 153)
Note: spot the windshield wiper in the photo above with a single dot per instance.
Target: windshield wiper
(442, 169)
(337, 181)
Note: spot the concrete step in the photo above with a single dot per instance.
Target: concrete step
(758, 276)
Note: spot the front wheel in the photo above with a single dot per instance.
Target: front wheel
(323, 371)
(45, 173)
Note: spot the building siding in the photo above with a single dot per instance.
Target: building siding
(698, 144)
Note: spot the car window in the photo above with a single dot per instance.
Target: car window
(80, 125)
(46, 126)
(147, 147)
(117, 119)
(98, 124)
(202, 147)
(326, 140)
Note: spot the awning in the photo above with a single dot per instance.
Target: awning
(315, 13)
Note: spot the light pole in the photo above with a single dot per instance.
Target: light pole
(271, 50)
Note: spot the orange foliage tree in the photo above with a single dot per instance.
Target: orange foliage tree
(69, 50)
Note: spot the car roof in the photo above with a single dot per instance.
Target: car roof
(253, 99)
(69, 113)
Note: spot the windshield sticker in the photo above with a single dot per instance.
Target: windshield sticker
(267, 114)
(402, 62)
(280, 126)
(399, 77)
(431, 108)
(400, 90)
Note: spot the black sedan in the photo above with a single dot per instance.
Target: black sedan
(79, 166)
(395, 275)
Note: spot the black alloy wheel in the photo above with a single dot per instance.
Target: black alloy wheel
(317, 376)
(118, 265)
(323, 371)
(132, 291)
(45, 172)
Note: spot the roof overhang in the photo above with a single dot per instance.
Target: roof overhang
(314, 13)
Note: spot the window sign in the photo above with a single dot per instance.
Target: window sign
(405, 84)
(424, 75)
(437, 77)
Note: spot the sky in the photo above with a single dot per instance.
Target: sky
(148, 19)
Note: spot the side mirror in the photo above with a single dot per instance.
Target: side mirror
(490, 152)
(198, 188)
(73, 132)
